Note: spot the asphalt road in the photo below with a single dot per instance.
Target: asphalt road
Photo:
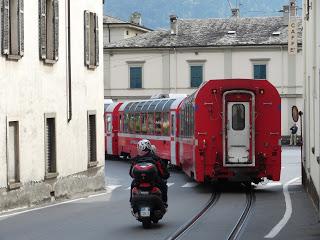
(108, 216)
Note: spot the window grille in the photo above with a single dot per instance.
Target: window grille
(91, 39)
(50, 145)
(13, 153)
(92, 138)
(12, 12)
(49, 30)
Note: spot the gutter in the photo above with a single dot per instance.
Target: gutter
(69, 69)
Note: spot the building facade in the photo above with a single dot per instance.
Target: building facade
(51, 95)
(193, 51)
(311, 63)
(115, 29)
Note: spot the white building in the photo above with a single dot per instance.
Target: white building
(192, 51)
(115, 29)
(51, 95)
(311, 63)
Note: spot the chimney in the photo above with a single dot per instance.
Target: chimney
(173, 24)
(235, 12)
(285, 11)
(136, 18)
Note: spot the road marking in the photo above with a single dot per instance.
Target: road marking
(110, 188)
(268, 185)
(170, 184)
(276, 229)
(190, 184)
(35, 209)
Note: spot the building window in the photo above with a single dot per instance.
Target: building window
(196, 75)
(91, 39)
(259, 71)
(92, 139)
(127, 32)
(13, 157)
(12, 12)
(49, 30)
(50, 146)
(135, 77)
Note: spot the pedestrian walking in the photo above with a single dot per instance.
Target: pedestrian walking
(293, 135)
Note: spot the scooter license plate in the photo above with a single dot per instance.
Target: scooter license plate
(144, 192)
(145, 212)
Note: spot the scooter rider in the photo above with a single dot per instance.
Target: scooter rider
(146, 152)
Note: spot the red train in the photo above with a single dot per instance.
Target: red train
(226, 130)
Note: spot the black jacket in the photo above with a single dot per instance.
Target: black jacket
(151, 157)
(294, 129)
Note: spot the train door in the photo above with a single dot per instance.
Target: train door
(109, 133)
(239, 130)
(173, 137)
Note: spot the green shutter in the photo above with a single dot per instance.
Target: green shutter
(196, 76)
(135, 77)
(260, 71)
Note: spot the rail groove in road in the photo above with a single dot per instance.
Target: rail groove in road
(242, 220)
(212, 201)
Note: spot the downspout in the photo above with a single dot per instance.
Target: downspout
(109, 36)
(69, 74)
(176, 60)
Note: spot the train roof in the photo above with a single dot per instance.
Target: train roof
(152, 105)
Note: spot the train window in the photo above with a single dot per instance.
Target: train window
(182, 121)
(150, 123)
(172, 125)
(158, 123)
(109, 123)
(137, 123)
(120, 123)
(131, 123)
(166, 124)
(143, 123)
(238, 117)
(126, 123)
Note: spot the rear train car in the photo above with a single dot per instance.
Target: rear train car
(231, 130)
(153, 119)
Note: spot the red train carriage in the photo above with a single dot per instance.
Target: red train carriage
(111, 119)
(231, 129)
(153, 119)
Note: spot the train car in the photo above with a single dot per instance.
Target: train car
(231, 130)
(111, 122)
(153, 119)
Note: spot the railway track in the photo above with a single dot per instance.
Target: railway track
(242, 220)
(212, 201)
(235, 233)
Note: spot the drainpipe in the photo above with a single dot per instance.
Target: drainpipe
(69, 74)
(176, 60)
(109, 36)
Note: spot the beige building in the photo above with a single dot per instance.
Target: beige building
(115, 29)
(51, 95)
(311, 63)
(192, 51)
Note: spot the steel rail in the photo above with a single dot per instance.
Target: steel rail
(188, 225)
(235, 233)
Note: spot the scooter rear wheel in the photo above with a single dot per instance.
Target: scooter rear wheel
(146, 223)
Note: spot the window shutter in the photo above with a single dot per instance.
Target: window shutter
(5, 27)
(86, 38)
(97, 40)
(42, 29)
(21, 27)
(56, 28)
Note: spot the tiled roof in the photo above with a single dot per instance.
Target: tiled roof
(214, 33)
(109, 19)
